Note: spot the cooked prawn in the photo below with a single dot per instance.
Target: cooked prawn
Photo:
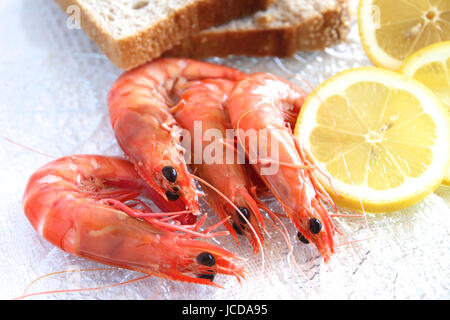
(266, 102)
(84, 205)
(139, 103)
(204, 103)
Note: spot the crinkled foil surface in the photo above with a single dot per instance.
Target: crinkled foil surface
(53, 87)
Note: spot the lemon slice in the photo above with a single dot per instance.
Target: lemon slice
(392, 30)
(431, 66)
(382, 137)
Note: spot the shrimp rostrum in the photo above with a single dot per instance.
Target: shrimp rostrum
(90, 206)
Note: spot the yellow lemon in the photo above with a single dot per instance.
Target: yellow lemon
(391, 30)
(431, 66)
(380, 136)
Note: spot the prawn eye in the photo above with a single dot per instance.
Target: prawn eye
(172, 196)
(302, 238)
(206, 259)
(237, 229)
(170, 173)
(207, 276)
(245, 212)
(314, 225)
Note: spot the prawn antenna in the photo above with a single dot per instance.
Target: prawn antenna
(27, 295)
(28, 148)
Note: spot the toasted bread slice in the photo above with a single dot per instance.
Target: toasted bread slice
(281, 30)
(133, 32)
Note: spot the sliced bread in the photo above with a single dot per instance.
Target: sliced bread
(281, 30)
(132, 32)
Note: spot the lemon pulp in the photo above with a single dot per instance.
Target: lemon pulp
(377, 146)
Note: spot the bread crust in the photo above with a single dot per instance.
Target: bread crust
(129, 52)
(332, 26)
